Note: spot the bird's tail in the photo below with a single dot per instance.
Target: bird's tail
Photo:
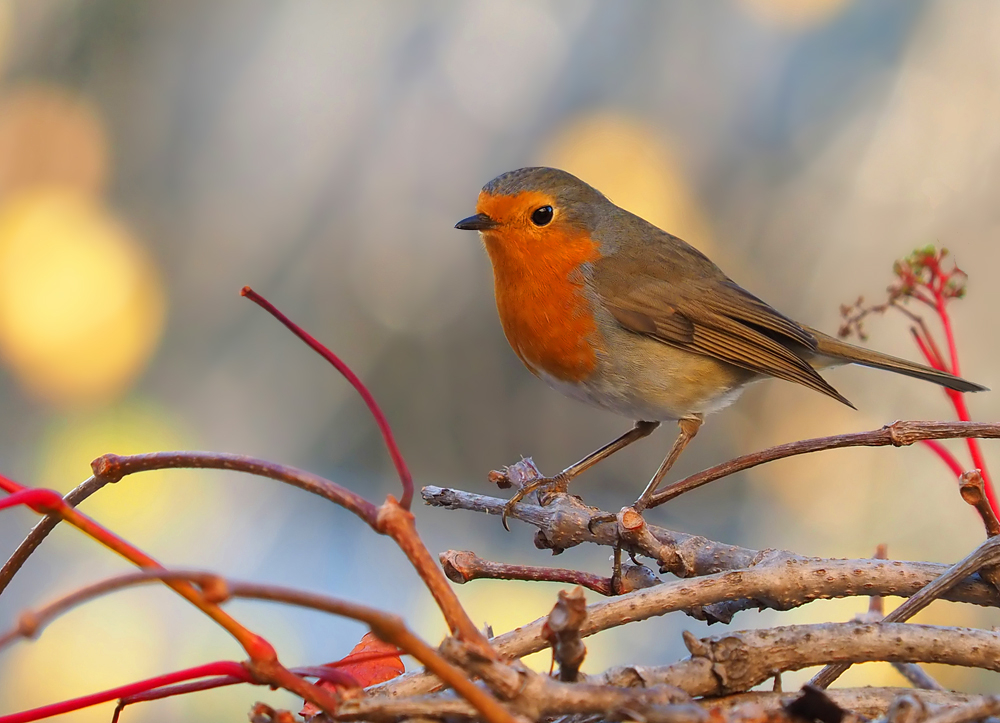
(841, 352)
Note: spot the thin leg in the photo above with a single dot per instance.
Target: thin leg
(689, 428)
(560, 482)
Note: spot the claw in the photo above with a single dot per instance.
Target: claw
(552, 484)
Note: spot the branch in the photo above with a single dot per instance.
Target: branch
(405, 478)
(867, 701)
(113, 468)
(464, 566)
(987, 554)
(783, 585)
(973, 490)
(42, 529)
(735, 662)
(386, 626)
(389, 519)
(566, 519)
(562, 630)
(537, 696)
(897, 434)
(974, 710)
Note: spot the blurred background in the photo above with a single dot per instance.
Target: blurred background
(155, 157)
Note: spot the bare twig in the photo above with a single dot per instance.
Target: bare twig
(692, 555)
(402, 470)
(386, 626)
(871, 702)
(538, 696)
(986, 554)
(263, 661)
(562, 630)
(781, 586)
(464, 566)
(973, 491)
(389, 519)
(975, 710)
(917, 676)
(897, 434)
(113, 468)
(43, 527)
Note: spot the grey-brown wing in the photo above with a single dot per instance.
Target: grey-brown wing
(708, 314)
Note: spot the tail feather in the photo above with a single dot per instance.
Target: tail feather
(841, 351)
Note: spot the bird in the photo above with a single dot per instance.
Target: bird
(609, 309)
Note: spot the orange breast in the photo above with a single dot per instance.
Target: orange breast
(539, 293)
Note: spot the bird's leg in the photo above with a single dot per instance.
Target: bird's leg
(560, 482)
(689, 428)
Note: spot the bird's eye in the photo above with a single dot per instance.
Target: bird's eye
(542, 216)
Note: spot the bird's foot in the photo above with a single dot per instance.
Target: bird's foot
(543, 486)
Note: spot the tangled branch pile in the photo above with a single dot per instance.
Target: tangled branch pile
(470, 676)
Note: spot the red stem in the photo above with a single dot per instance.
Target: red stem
(225, 668)
(958, 400)
(327, 673)
(942, 311)
(928, 349)
(390, 442)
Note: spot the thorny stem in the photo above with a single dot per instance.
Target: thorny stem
(383, 424)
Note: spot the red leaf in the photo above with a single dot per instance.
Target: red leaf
(371, 661)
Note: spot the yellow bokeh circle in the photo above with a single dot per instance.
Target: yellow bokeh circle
(630, 163)
(81, 305)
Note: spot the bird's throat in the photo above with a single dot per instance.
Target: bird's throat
(541, 300)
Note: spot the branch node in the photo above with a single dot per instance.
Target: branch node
(973, 491)
(562, 631)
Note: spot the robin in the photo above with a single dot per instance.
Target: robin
(609, 309)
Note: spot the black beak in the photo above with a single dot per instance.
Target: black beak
(479, 222)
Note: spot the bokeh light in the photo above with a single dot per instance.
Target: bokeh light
(49, 136)
(98, 646)
(146, 508)
(81, 305)
(632, 164)
(795, 14)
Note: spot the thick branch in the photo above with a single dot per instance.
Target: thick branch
(870, 702)
(693, 555)
(987, 554)
(736, 662)
(781, 586)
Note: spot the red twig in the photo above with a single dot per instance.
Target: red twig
(327, 673)
(923, 277)
(390, 442)
(223, 668)
(263, 663)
